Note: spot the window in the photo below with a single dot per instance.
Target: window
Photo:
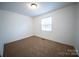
(46, 24)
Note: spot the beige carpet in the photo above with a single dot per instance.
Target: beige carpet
(38, 47)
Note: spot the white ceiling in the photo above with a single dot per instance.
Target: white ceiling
(23, 8)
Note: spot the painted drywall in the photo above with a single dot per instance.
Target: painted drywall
(13, 27)
(62, 25)
(76, 40)
(24, 8)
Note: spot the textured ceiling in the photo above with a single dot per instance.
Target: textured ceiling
(23, 7)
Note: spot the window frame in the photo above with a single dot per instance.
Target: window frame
(49, 24)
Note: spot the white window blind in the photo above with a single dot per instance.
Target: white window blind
(46, 24)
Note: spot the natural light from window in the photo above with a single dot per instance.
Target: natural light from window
(46, 24)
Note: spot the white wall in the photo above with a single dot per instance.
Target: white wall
(13, 27)
(76, 41)
(63, 25)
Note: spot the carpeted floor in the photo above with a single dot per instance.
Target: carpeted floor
(38, 47)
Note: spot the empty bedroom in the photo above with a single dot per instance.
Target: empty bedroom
(39, 29)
